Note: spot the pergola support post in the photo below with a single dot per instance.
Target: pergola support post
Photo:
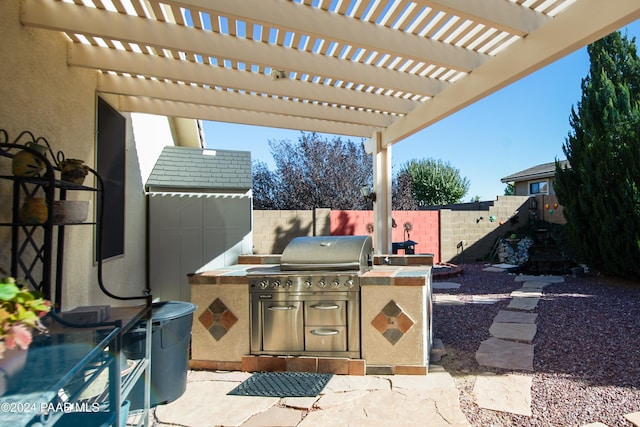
(382, 187)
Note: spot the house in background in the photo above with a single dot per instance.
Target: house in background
(537, 182)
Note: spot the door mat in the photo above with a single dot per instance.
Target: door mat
(282, 384)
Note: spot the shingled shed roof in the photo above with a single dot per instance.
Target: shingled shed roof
(545, 170)
(180, 168)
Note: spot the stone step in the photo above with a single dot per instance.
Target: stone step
(508, 316)
(505, 393)
(523, 303)
(520, 332)
(498, 353)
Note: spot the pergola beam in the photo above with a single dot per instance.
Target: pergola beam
(155, 66)
(500, 14)
(228, 115)
(191, 94)
(110, 25)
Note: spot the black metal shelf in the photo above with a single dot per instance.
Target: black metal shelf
(35, 248)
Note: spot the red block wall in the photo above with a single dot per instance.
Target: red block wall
(425, 228)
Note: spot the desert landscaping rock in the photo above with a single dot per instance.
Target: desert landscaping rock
(585, 369)
(506, 393)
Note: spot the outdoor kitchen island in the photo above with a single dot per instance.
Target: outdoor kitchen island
(393, 326)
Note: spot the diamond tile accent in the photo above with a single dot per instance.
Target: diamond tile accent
(218, 319)
(392, 322)
(404, 323)
(391, 309)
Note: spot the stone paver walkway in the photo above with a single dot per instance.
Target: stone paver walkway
(511, 347)
(395, 400)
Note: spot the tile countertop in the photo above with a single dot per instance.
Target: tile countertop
(388, 270)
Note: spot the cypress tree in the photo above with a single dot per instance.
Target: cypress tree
(600, 192)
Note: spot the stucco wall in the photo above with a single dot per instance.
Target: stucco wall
(40, 93)
(424, 228)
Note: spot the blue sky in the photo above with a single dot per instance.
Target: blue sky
(522, 125)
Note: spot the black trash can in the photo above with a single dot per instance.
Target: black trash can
(170, 335)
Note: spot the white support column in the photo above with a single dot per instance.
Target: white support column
(382, 188)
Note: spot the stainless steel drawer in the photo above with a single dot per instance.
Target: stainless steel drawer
(326, 338)
(325, 313)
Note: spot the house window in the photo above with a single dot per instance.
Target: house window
(111, 162)
(538, 187)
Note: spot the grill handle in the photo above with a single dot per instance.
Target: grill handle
(325, 306)
(281, 308)
(325, 332)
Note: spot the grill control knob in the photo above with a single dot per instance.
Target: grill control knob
(275, 284)
(335, 283)
(264, 284)
(308, 283)
(349, 283)
(322, 283)
(288, 283)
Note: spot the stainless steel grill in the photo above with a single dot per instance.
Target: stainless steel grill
(311, 306)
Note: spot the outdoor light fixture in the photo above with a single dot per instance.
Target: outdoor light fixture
(368, 193)
(278, 75)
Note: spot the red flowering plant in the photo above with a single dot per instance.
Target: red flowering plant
(21, 311)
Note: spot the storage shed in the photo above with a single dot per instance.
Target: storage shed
(199, 205)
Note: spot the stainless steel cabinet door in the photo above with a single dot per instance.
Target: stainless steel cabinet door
(282, 326)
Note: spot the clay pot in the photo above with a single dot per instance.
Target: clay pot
(26, 164)
(73, 170)
(34, 210)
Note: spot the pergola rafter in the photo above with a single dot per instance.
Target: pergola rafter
(381, 70)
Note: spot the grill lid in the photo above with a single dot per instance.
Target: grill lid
(335, 253)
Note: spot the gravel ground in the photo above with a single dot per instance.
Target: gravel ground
(587, 349)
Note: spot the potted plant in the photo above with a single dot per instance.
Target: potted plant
(21, 311)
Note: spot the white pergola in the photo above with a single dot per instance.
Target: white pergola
(378, 69)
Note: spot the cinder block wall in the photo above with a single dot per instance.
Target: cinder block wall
(437, 231)
(272, 230)
(476, 229)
